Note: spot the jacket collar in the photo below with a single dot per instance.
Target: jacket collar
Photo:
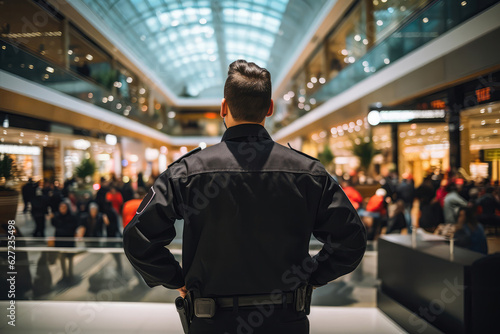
(252, 132)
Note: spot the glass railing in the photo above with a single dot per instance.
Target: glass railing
(23, 63)
(424, 26)
(96, 269)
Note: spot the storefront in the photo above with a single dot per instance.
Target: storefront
(481, 126)
(104, 153)
(456, 129)
(26, 148)
(346, 147)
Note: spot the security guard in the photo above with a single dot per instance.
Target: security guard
(249, 207)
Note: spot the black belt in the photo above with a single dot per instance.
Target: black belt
(241, 301)
(300, 299)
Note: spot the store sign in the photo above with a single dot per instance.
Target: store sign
(492, 155)
(386, 116)
(20, 149)
(483, 94)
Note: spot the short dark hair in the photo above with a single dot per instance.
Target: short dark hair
(248, 91)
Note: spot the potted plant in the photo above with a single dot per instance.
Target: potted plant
(85, 171)
(8, 195)
(326, 157)
(365, 151)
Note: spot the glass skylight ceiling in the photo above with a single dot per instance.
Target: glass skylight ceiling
(189, 44)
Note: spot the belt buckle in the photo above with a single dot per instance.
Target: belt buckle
(204, 307)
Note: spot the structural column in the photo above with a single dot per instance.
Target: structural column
(395, 147)
(454, 104)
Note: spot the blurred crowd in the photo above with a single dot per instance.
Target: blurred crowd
(445, 204)
(82, 212)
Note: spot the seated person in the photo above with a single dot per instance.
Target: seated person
(469, 233)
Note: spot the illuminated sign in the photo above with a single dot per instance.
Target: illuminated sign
(20, 149)
(483, 94)
(492, 155)
(81, 144)
(379, 116)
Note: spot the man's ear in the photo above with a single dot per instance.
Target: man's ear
(223, 108)
(271, 109)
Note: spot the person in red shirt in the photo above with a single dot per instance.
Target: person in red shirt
(353, 195)
(376, 204)
(116, 199)
(130, 207)
(441, 192)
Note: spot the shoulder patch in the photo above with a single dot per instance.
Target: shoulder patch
(302, 153)
(186, 155)
(146, 200)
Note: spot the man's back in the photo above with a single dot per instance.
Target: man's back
(250, 209)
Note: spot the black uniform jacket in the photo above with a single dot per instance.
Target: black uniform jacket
(249, 207)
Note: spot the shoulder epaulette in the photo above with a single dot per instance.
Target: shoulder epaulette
(302, 153)
(186, 155)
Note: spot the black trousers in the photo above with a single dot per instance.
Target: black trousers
(40, 226)
(264, 319)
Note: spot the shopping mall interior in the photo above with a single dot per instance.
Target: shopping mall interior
(398, 99)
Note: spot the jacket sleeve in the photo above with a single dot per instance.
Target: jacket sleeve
(147, 234)
(339, 227)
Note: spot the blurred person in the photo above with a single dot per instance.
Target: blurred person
(375, 213)
(238, 198)
(351, 193)
(431, 213)
(92, 224)
(377, 203)
(473, 195)
(465, 190)
(66, 226)
(405, 191)
(100, 196)
(396, 221)
(55, 196)
(130, 207)
(113, 231)
(39, 208)
(115, 198)
(389, 184)
(452, 203)
(113, 221)
(140, 181)
(469, 233)
(82, 205)
(442, 192)
(46, 187)
(69, 185)
(127, 191)
(489, 204)
(28, 192)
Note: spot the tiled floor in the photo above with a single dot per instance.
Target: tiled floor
(49, 317)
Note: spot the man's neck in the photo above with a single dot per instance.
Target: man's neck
(234, 123)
